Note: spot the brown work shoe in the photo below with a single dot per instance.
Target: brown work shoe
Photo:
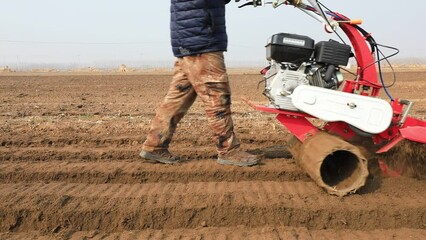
(238, 157)
(161, 156)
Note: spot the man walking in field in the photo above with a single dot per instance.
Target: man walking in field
(198, 36)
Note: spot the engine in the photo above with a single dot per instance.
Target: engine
(296, 60)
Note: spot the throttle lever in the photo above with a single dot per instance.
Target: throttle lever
(254, 3)
(246, 4)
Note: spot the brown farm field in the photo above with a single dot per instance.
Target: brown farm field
(69, 169)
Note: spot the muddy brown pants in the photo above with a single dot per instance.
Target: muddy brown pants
(205, 76)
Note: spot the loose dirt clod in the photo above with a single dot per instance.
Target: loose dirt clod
(407, 158)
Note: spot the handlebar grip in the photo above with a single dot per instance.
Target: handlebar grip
(356, 21)
(352, 21)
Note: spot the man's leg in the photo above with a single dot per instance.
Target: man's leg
(180, 96)
(210, 80)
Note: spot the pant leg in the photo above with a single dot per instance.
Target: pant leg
(210, 80)
(180, 96)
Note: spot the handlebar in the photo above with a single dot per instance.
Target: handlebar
(329, 19)
(275, 3)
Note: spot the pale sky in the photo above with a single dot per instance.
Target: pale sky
(136, 32)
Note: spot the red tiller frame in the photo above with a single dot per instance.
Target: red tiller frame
(366, 84)
(366, 71)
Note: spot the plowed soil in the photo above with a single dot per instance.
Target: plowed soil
(69, 169)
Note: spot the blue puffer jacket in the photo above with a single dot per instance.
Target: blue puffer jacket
(198, 26)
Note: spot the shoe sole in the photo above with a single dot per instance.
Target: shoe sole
(156, 158)
(239, 164)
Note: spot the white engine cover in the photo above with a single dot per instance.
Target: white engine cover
(371, 115)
